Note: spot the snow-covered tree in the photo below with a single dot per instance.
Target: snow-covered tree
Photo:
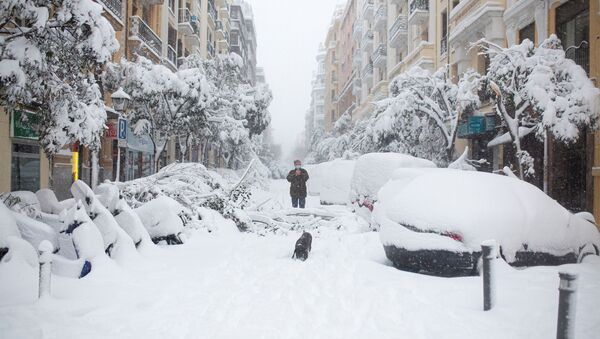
(50, 53)
(238, 110)
(163, 104)
(540, 89)
(421, 115)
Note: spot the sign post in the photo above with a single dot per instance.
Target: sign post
(121, 142)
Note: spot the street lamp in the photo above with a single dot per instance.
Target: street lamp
(120, 100)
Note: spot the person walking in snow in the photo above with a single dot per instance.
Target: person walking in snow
(298, 178)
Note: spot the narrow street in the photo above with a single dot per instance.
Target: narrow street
(243, 285)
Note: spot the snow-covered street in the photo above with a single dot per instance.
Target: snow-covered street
(244, 285)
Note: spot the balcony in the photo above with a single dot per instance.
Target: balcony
(398, 34)
(367, 72)
(475, 126)
(367, 40)
(380, 56)
(380, 22)
(212, 12)
(141, 32)
(423, 56)
(224, 12)
(357, 30)
(185, 21)
(211, 50)
(356, 86)
(418, 12)
(444, 45)
(367, 10)
(115, 8)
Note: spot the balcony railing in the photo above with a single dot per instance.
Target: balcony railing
(421, 5)
(211, 50)
(212, 12)
(115, 7)
(141, 29)
(444, 45)
(368, 9)
(368, 36)
(379, 55)
(381, 17)
(398, 29)
(184, 15)
(357, 30)
(580, 55)
(368, 70)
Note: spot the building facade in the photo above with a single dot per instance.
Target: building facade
(391, 36)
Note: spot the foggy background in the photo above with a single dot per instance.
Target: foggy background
(288, 34)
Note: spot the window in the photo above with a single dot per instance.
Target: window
(444, 38)
(25, 167)
(573, 30)
(527, 32)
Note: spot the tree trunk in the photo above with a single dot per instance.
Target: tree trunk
(51, 171)
(95, 168)
(546, 151)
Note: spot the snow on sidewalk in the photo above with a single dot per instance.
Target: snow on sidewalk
(244, 286)
(231, 285)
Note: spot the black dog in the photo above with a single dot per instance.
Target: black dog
(303, 246)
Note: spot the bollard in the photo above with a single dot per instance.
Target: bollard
(45, 248)
(489, 255)
(566, 305)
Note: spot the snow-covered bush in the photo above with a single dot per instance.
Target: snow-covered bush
(373, 170)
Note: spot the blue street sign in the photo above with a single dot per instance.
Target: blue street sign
(122, 131)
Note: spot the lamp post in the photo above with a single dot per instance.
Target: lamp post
(120, 100)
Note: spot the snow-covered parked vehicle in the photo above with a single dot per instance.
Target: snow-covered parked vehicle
(434, 221)
(372, 171)
(108, 194)
(331, 181)
(162, 217)
(117, 243)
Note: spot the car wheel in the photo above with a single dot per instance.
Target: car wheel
(587, 249)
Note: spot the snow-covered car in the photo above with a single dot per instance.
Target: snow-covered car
(434, 221)
(162, 217)
(331, 181)
(372, 171)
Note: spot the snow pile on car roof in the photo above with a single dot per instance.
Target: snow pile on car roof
(477, 206)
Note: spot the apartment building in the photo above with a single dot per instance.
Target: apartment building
(315, 115)
(331, 69)
(164, 31)
(243, 36)
(393, 35)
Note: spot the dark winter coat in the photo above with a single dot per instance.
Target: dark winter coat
(298, 183)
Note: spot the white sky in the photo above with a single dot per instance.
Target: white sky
(288, 35)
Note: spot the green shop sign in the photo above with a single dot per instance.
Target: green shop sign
(22, 125)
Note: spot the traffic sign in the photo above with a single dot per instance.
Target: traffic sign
(122, 132)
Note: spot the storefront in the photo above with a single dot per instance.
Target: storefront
(28, 165)
(136, 159)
